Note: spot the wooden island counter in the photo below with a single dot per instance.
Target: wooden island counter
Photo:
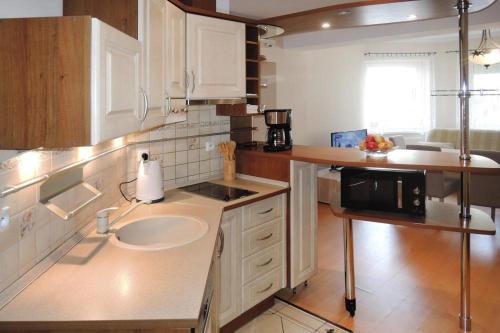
(439, 216)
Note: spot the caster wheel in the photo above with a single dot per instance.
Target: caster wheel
(306, 283)
(350, 306)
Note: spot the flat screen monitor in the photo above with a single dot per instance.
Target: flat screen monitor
(348, 139)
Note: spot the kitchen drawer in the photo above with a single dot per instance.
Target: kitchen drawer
(262, 212)
(260, 289)
(262, 262)
(261, 237)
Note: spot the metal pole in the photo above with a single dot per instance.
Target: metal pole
(465, 318)
(464, 96)
(350, 294)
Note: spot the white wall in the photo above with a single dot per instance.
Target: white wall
(322, 80)
(30, 8)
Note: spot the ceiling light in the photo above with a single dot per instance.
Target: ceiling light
(326, 25)
(269, 31)
(411, 17)
(488, 52)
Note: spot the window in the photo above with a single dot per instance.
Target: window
(397, 95)
(485, 110)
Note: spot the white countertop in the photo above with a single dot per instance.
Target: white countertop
(101, 284)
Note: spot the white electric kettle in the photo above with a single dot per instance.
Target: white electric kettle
(149, 181)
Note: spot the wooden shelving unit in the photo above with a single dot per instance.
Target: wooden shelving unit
(241, 120)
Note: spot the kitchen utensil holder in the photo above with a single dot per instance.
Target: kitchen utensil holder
(229, 170)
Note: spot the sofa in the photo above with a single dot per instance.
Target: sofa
(479, 139)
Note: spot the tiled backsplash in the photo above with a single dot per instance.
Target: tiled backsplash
(181, 148)
(34, 231)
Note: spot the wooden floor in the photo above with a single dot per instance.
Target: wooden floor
(408, 280)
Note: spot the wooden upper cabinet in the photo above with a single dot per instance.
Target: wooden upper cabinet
(120, 14)
(66, 82)
(215, 58)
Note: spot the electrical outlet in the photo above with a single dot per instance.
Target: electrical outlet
(140, 152)
(4, 219)
(209, 146)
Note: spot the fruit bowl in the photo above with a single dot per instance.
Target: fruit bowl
(376, 146)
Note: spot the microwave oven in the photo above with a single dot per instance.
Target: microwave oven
(386, 190)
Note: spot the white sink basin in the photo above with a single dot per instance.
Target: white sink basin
(160, 232)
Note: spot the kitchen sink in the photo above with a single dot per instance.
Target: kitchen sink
(160, 232)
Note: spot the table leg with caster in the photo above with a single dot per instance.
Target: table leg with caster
(350, 294)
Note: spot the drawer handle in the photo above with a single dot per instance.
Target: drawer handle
(266, 263)
(266, 289)
(267, 237)
(266, 211)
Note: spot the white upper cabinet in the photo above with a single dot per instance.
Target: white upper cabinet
(151, 24)
(175, 36)
(303, 222)
(215, 58)
(118, 103)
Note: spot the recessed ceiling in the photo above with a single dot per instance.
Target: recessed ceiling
(260, 9)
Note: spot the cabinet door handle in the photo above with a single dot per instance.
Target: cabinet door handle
(221, 246)
(146, 105)
(267, 237)
(266, 263)
(266, 211)
(194, 83)
(266, 289)
(186, 79)
(168, 101)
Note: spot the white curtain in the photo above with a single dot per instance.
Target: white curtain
(485, 110)
(396, 95)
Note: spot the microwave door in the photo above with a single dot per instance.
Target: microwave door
(384, 194)
(358, 192)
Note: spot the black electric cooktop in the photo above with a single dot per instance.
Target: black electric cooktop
(216, 191)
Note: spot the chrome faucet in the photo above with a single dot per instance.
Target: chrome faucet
(103, 216)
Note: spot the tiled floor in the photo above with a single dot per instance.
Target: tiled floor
(284, 318)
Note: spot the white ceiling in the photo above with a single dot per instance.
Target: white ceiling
(259, 9)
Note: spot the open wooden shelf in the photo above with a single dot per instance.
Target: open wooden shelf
(439, 216)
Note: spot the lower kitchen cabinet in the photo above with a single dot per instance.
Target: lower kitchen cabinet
(303, 222)
(230, 266)
(253, 263)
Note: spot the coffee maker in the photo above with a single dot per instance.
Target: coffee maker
(279, 124)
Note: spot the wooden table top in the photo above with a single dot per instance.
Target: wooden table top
(397, 159)
(439, 216)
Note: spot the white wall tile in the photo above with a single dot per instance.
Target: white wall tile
(181, 145)
(9, 261)
(169, 159)
(193, 168)
(194, 155)
(181, 157)
(181, 171)
(169, 146)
